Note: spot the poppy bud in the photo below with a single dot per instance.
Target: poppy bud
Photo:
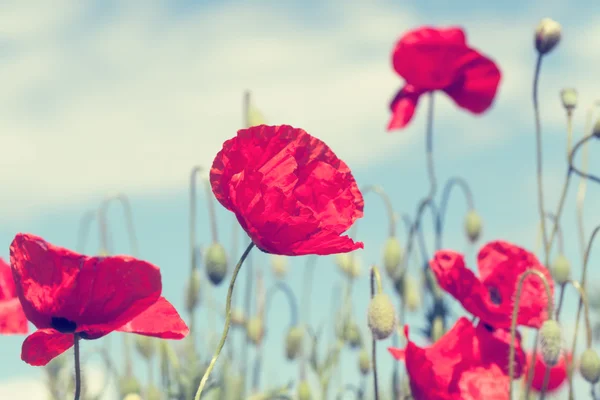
(568, 98)
(550, 342)
(279, 265)
(133, 396)
(473, 225)
(145, 345)
(304, 391)
(293, 342)
(561, 269)
(254, 330)
(437, 329)
(589, 366)
(392, 256)
(129, 385)
(364, 362)
(547, 35)
(412, 296)
(192, 297)
(238, 318)
(153, 393)
(216, 263)
(381, 316)
(343, 262)
(352, 335)
(596, 130)
(432, 284)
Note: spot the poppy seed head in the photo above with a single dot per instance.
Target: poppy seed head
(255, 330)
(547, 35)
(412, 296)
(279, 265)
(561, 269)
(364, 362)
(238, 318)
(192, 298)
(381, 316)
(216, 263)
(293, 342)
(304, 391)
(392, 256)
(473, 225)
(550, 342)
(589, 366)
(352, 335)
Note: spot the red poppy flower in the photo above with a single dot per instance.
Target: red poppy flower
(288, 190)
(491, 296)
(467, 363)
(558, 373)
(64, 293)
(439, 59)
(12, 317)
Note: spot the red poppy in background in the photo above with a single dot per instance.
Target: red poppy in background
(288, 190)
(12, 317)
(558, 373)
(467, 363)
(64, 293)
(491, 296)
(439, 59)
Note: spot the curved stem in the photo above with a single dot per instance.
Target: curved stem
(388, 205)
(77, 367)
(247, 311)
(376, 288)
(450, 184)
(429, 149)
(309, 270)
(84, 229)
(416, 229)
(513, 325)
(575, 169)
(227, 323)
(291, 299)
(559, 231)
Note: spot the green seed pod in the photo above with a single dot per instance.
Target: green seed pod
(352, 335)
(547, 35)
(255, 330)
(381, 316)
(192, 294)
(412, 295)
(132, 396)
(392, 256)
(304, 391)
(364, 362)
(432, 284)
(129, 385)
(279, 265)
(216, 263)
(589, 366)
(238, 318)
(569, 98)
(596, 129)
(153, 393)
(293, 342)
(145, 346)
(343, 261)
(473, 225)
(561, 269)
(550, 342)
(437, 329)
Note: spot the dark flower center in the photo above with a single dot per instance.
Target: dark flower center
(488, 327)
(63, 325)
(88, 336)
(495, 296)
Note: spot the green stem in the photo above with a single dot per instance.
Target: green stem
(194, 260)
(77, 367)
(376, 288)
(227, 323)
(211, 211)
(388, 205)
(84, 230)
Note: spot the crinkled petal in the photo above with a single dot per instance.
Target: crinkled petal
(12, 318)
(403, 107)
(43, 345)
(159, 320)
(7, 283)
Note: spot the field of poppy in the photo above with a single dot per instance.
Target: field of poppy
(493, 330)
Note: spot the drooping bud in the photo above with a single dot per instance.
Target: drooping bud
(129, 385)
(352, 335)
(192, 295)
(145, 345)
(238, 318)
(279, 265)
(255, 330)
(596, 130)
(216, 263)
(437, 329)
(547, 35)
(473, 225)
(412, 295)
(561, 269)
(392, 256)
(589, 366)
(569, 98)
(153, 393)
(364, 362)
(343, 261)
(550, 342)
(293, 342)
(304, 391)
(381, 316)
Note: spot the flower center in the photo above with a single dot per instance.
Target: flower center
(63, 325)
(495, 295)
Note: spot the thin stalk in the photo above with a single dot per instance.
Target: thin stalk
(376, 288)
(194, 261)
(77, 367)
(211, 211)
(450, 184)
(84, 229)
(388, 205)
(247, 311)
(309, 270)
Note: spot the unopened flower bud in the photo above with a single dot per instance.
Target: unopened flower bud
(279, 265)
(132, 396)
(354, 270)
(255, 330)
(293, 342)
(550, 342)
(437, 329)
(412, 295)
(547, 35)
(129, 385)
(589, 366)
(432, 284)
(352, 335)
(343, 261)
(473, 225)
(364, 362)
(569, 98)
(153, 393)
(381, 316)
(238, 318)
(192, 295)
(561, 269)
(304, 391)
(216, 263)
(145, 345)
(596, 129)
(392, 256)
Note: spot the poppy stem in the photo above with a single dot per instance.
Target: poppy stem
(247, 311)
(227, 322)
(513, 324)
(309, 273)
(429, 149)
(77, 367)
(441, 216)
(376, 288)
(388, 205)
(193, 254)
(84, 229)
(211, 211)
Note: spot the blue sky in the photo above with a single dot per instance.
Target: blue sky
(107, 97)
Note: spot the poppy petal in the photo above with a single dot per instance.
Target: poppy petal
(7, 283)
(43, 345)
(403, 107)
(558, 373)
(159, 320)
(12, 318)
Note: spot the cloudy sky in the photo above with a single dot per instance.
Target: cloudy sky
(104, 97)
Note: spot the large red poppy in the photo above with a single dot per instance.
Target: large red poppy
(12, 317)
(491, 296)
(288, 190)
(467, 363)
(439, 59)
(558, 373)
(64, 293)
